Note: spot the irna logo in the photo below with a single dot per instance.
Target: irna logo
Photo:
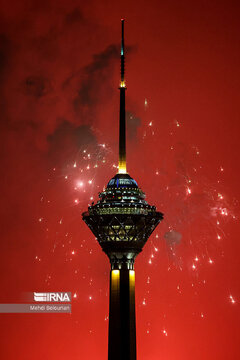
(52, 297)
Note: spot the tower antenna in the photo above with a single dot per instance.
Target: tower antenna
(122, 168)
(122, 56)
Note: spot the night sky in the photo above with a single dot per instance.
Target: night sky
(59, 100)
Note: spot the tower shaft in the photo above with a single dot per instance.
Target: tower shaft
(122, 134)
(122, 323)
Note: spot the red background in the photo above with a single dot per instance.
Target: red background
(59, 72)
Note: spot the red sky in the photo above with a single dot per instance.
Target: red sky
(59, 78)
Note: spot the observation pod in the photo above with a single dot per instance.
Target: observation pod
(122, 222)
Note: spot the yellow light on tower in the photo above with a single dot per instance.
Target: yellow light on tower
(132, 274)
(132, 278)
(115, 273)
(122, 168)
(115, 282)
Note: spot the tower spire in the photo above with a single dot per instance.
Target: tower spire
(122, 56)
(122, 169)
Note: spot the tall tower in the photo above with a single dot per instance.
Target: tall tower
(122, 222)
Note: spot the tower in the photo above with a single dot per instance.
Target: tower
(122, 222)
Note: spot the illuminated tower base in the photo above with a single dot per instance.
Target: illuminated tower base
(122, 323)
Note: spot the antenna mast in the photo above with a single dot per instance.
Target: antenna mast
(122, 169)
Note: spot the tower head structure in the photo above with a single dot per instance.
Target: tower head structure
(122, 222)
